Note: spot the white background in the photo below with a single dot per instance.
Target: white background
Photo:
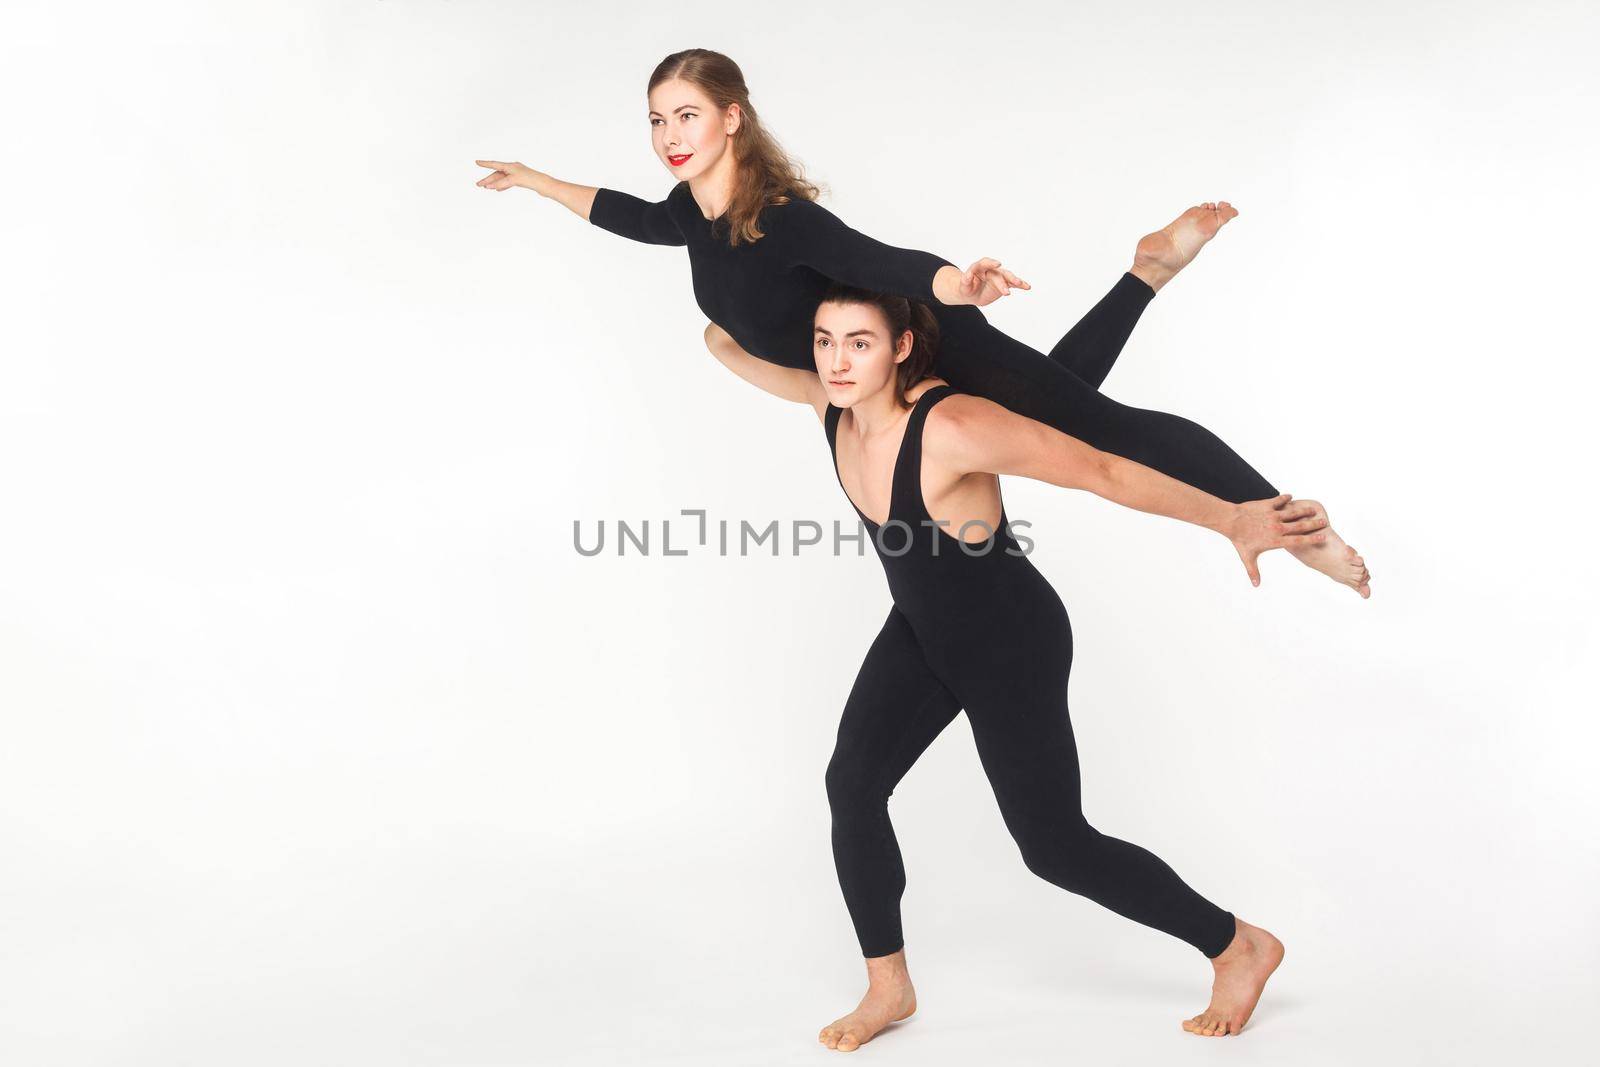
(323, 746)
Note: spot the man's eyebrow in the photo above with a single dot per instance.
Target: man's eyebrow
(859, 333)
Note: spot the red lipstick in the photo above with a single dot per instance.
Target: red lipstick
(678, 161)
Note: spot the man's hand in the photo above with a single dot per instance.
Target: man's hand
(1259, 526)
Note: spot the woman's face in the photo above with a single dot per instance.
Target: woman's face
(690, 134)
(855, 355)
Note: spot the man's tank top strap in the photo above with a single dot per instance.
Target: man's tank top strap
(907, 490)
(830, 427)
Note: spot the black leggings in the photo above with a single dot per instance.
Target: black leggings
(1025, 742)
(1061, 391)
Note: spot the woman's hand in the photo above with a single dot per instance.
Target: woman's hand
(982, 283)
(1258, 526)
(987, 281)
(509, 175)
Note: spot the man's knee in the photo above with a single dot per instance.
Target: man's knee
(853, 785)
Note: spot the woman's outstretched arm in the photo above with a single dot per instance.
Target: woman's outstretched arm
(622, 214)
(972, 434)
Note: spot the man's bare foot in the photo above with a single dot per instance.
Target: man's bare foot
(1335, 559)
(889, 999)
(1162, 254)
(1241, 973)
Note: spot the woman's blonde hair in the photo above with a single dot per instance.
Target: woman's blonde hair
(764, 173)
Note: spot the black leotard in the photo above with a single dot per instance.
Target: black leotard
(986, 633)
(765, 295)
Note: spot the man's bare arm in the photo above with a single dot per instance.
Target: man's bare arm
(974, 434)
(798, 386)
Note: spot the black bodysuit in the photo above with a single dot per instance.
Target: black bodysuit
(765, 294)
(986, 633)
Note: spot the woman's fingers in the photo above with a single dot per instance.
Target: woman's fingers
(502, 177)
(1014, 280)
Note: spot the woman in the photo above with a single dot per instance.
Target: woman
(975, 626)
(761, 252)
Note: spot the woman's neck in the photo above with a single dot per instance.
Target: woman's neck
(713, 189)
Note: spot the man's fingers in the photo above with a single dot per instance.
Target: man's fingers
(1305, 525)
(1299, 509)
(1250, 568)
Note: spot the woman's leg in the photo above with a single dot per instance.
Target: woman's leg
(895, 710)
(977, 358)
(1092, 346)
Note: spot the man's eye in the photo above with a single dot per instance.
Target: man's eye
(861, 344)
(823, 341)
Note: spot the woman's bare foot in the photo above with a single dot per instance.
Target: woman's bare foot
(1335, 559)
(889, 999)
(1162, 254)
(1241, 973)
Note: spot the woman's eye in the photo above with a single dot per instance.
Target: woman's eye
(860, 345)
(657, 122)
